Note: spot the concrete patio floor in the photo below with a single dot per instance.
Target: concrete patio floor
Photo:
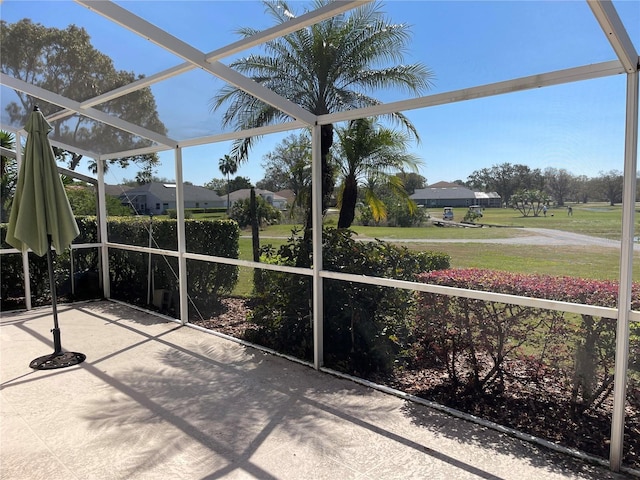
(155, 400)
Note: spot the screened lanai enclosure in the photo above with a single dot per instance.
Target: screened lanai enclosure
(156, 93)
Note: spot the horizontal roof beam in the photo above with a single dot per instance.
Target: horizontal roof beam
(519, 84)
(310, 18)
(217, 138)
(77, 176)
(74, 106)
(182, 49)
(293, 25)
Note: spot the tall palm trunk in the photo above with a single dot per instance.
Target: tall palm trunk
(349, 199)
(326, 141)
(228, 185)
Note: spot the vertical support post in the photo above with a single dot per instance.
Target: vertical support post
(102, 230)
(316, 206)
(626, 270)
(149, 269)
(72, 275)
(182, 246)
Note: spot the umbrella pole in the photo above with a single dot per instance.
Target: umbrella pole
(57, 344)
(57, 359)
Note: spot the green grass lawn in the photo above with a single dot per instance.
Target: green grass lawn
(596, 219)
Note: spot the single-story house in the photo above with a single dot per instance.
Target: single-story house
(488, 199)
(288, 195)
(272, 198)
(446, 194)
(157, 198)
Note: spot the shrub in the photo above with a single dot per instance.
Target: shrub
(267, 213)
(84, 269)
(481, 343)
(205, 281)
(173, 214)
(401, 215)
(366, 327)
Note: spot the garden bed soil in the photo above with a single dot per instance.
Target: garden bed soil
(520, 409)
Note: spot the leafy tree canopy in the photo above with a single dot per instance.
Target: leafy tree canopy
(610, 185)
(506, 179)
(65, 62)
(220, 185)
(412, 181)
(82, 199)
(288, 166)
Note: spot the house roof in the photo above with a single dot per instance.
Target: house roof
(116, 190)
(288, 194)
(452, 191)
(246, 193)
(443, 184)
(166, 192)
(480, 195)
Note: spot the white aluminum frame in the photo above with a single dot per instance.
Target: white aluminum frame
(627, 63)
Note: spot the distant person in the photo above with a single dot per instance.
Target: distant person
(544, 210)
(570, 211)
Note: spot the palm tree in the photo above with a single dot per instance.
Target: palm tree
(324, 68)
(373, 154)
(228, 166)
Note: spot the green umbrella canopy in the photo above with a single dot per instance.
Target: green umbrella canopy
(40, 207)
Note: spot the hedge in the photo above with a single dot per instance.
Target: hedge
(483, 346)
(205, 281)
(85, 268)
(128, 270)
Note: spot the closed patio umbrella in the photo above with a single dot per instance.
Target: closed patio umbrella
(41, 217)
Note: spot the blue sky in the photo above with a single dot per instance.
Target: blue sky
(578, 127)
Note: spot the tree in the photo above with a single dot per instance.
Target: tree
(370, 154)
(219, 185)
(324, 68)
(64, 62)
(228, 166)
(288, 167)
(529, 202)
(412, 181)
(82, 199)
(143, 177)
(583, 188)
(8, 176)
(239, 183)
(266, 214)
(505, 179)
(559, 184)
(611, 184)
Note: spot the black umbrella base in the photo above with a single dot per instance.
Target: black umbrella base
(57, 360)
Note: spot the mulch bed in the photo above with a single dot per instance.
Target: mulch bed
(522, 410)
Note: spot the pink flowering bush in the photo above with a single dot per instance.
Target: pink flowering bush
(485, 346)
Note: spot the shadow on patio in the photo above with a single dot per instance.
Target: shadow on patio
(156, 400)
